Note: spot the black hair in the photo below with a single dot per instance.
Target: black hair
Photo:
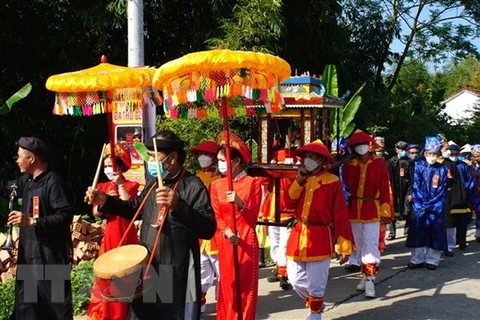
(119, 162)
(234, 154)
(170, 136)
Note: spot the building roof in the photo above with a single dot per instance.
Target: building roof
(459, 92)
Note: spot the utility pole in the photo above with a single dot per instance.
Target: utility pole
(136, 56)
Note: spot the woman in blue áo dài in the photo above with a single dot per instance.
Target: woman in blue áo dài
(427, 234)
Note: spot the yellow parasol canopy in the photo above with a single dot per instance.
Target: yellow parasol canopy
(103, 88)
(196, 82)
(103, 77)
(275, 68)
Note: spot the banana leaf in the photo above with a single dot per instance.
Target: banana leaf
(141, 150)
(253, 149)
(348, 130)
(347, 114)
(330, 80)
(17, 96)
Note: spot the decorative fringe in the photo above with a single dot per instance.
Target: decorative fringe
(237, 107)
(98, 102)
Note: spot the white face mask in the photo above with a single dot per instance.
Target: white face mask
(431, 160)
(446, 154)
(379, 154)
(361, 149)
(310, 164)
(204, 161)
(453, 158)
(109, 173)
(222, 167)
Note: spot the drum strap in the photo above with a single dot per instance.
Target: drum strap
(162, 215)
(142, 204)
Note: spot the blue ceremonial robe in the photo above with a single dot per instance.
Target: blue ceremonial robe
(429, 193)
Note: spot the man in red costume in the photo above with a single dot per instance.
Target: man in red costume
(367, 180)
(206, 153)
(320, 206)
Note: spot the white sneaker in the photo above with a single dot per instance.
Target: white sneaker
(369, 289)
(314, 316)
(361, 285)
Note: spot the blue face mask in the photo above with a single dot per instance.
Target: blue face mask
(454, 158)
(222, 167)
(402, 154)
(413, 156)
(152, 168)
(461, 158)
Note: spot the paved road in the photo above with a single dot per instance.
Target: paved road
(450, 292)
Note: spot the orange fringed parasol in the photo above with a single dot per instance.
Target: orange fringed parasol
(105, 88)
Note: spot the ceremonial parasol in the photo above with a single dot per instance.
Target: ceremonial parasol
(222, 83)
(105, 88)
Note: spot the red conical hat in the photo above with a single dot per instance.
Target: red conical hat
(359, 137)
(237, 143)
(317, 147)
(208, 146)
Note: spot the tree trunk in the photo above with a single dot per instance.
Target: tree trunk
(410, 38)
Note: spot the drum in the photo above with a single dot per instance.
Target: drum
(119, 272)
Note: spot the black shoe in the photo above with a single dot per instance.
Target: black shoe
(415, 265)
(274, 277)
(353, 268)
(431, 266)
(391, 237)
(448, 254)
(462, 245)
(284, 284)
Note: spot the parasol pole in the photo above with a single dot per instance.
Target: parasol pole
(97, 173)
(230, 188)
(99, 166)
(111, 137)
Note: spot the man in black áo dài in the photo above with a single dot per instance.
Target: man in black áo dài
(189, 218)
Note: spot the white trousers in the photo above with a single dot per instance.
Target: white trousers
(425, 255)
(451, 238)
(366, 236)
(278, 244)
(309, 279)
(208, 270)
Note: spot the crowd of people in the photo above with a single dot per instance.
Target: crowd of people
(340, 204)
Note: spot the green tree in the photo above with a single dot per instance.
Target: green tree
(254, 25)
(430, 30)
(461, 74)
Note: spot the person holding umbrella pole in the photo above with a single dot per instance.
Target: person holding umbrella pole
(239, 240)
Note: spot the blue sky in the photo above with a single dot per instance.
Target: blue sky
(397, 46)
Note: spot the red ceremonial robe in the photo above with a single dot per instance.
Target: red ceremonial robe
(99, 309)
(249, 190)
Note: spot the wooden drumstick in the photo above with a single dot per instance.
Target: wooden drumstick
(97, 173)
(159, 176)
